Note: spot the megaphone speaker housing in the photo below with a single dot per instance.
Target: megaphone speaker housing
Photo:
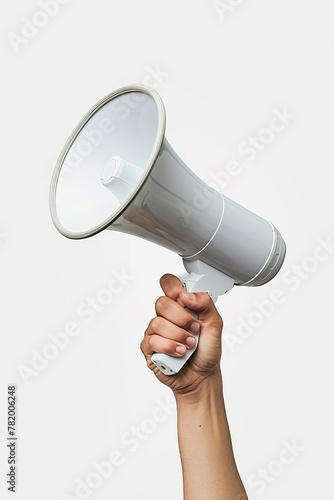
(117, 171)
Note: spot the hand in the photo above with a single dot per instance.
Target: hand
(170, 330)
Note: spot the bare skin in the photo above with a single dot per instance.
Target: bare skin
(208, 464)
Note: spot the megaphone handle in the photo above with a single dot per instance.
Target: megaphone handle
(200, 277)
(169, 365)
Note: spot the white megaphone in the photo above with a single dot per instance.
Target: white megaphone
(117, 171)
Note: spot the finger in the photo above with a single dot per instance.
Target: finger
(176, 313)
(202, 303)
(166, 329)
(171, 286)
(156, 343)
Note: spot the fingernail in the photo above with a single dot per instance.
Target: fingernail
(191, 342)
(180, 349)
(194, 327)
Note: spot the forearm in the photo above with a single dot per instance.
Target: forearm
(208, 465)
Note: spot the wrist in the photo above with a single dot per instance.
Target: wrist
(201, 393)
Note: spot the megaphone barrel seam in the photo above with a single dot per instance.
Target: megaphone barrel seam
(197, 254)
(160, 134)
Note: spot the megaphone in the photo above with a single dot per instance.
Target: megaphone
(117, 171)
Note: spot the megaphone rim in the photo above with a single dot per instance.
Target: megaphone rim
(150, 164)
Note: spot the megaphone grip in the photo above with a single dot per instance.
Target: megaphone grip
(200, 278)
(170, 365)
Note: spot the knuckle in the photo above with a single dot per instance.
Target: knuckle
(161, 303)
(207, 300)
(150, 342)
(155, 324)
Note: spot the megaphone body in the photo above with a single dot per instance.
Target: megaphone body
(117, 171)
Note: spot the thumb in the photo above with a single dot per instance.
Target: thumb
(171, 286)
(202, 303)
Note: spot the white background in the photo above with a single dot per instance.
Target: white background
(221, 77)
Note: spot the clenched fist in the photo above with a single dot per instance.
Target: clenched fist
(171, 332)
